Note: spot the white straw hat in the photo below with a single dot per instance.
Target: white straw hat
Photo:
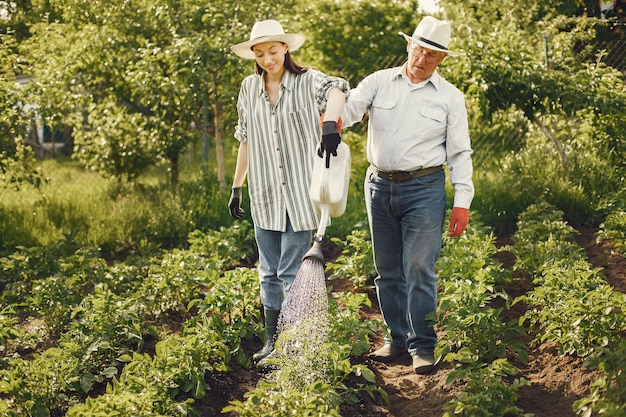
(267, 31)
(433, 34)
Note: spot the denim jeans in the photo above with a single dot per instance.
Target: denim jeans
(280, 258)
(406, 222)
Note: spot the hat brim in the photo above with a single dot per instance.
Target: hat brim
(244, 49)
(428, 45)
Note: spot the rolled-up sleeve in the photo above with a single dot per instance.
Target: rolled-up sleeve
(323, 84)
(241, 130)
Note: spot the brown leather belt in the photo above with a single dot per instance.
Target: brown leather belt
(400, 176)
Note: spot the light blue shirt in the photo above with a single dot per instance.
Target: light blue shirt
(282, 142)
(414, 126)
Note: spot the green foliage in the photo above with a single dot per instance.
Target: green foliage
(534, 175)
(272, 400)
(37, 387)
(477, 341)
(9, 328)
(104, 328)
(347, 327)
(55, 296)
(369, 28)
(204, 202)
(543, 237)
(172, 281)
(234, 297)
(614, 229)
(148, 402)
(468, 279)
(227, 246)
(487, 392)
(356, 262)
(283, 393)
(608, 392)
(575, 308)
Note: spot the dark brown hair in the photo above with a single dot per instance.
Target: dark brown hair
(290, 65)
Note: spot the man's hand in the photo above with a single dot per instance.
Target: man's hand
(458, 221)
(330, 140)
(234, 204)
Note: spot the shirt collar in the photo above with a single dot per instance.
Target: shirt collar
(434, 79)
(288, 82)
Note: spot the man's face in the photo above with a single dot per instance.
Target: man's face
(422, 62)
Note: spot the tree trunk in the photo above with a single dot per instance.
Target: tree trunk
(174, 170)
(219, 143)
(553, 139)
(205, 133)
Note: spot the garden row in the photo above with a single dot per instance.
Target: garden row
(83, 338)
(572, 305)
(80, 337)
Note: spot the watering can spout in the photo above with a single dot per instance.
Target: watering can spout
(316, 250)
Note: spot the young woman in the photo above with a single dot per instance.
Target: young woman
(279, 109)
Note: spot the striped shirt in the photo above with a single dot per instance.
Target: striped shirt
(282, 142)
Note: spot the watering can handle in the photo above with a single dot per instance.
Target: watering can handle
(324, 196)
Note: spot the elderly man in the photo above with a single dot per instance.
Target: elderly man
(417, 124)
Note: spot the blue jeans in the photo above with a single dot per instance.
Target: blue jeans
(280, 259)
(406, 222)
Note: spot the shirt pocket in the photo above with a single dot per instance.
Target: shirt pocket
(297, 124)
(382, 114)
(433, 114)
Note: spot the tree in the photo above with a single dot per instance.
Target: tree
(354, 39)
(506, 45)
(131, 77)
(17, 164)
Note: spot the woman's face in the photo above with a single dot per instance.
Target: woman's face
(271, 56)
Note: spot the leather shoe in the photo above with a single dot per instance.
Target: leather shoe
(423, 363)
(388, 353)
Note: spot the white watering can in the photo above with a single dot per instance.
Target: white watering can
(329, 192)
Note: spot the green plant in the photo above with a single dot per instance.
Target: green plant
(356, 262)
(180, 362)
(172, 281)
(486, 392)
(226, 247)
(104, 327)
(608, 392)
(573, 306)
(39, 386)
(234, 298)
(345, 323)
(117, 402)
(614, 229)
(9, 328)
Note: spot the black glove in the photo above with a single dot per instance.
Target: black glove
(330, 140)
(234, 204)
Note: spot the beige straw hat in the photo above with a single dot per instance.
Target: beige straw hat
(433, 34)
(267, 31)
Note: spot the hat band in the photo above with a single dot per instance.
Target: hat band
(435, 44)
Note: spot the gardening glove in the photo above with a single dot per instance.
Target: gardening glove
(458, 221)
(234, 204)
(330, 140)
